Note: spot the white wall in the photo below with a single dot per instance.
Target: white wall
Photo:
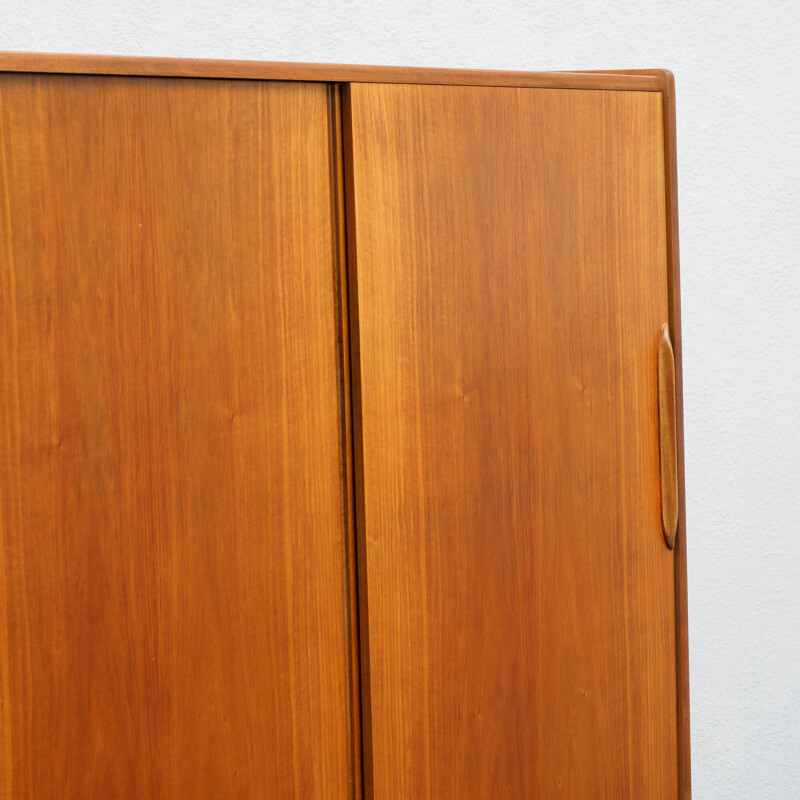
(736, 64)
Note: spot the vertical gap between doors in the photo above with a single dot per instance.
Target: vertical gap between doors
(350, 406)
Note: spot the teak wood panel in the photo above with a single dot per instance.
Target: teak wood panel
(172, 587)
(508, 272)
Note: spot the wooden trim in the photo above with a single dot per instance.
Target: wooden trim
(346, 410)
(681, 601)
(329, 73)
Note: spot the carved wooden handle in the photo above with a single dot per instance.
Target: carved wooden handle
(667, 436)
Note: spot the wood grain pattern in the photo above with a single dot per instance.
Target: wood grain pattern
(331, 73)
(508, 259)
(667, 436)
(173, 582)
(674, 283)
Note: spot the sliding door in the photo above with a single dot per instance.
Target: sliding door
(508, 281)
(173, 590)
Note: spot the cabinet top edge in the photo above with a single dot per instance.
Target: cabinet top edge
(624, 80)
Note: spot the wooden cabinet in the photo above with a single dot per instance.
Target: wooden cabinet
(332, 464)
